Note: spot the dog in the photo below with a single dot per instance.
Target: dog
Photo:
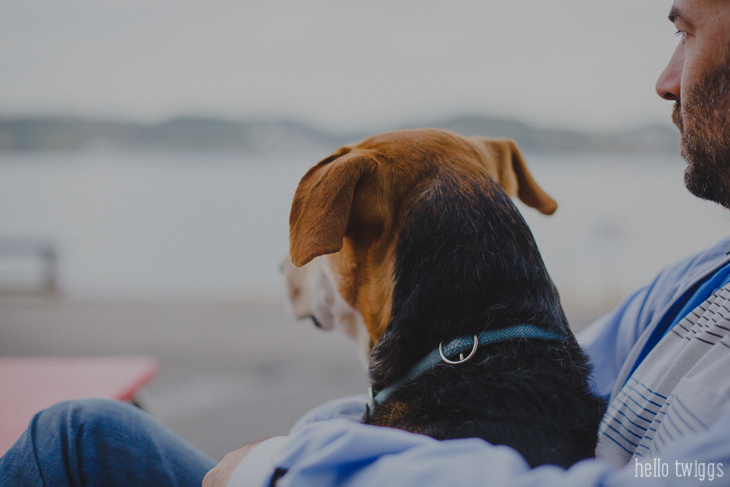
(409, 242)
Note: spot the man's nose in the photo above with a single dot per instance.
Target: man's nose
(669, 83)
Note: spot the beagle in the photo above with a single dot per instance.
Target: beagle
(409, 242)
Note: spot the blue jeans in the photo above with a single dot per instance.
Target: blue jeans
(99, 442)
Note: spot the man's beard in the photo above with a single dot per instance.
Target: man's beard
(703, 119)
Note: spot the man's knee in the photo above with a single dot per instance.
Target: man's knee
(73, 414)
(61, 438)
(90, 425)
(93, 440)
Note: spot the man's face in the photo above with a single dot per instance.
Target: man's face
(698, 80)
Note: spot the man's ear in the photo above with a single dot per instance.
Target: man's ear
(322, 203)
(507, 166)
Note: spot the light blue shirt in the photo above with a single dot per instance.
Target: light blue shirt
(329, 447)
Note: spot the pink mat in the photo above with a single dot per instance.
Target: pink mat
(29, 384)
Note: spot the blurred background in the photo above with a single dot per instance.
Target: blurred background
(149, 152)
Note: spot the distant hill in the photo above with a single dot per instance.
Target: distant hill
(214, 134)
(178, 134)
(657, 138)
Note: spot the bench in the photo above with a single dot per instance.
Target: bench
(29, 384)
(44, 250)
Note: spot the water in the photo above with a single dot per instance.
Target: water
(215, 226)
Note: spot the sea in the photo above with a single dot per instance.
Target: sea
(214, 226)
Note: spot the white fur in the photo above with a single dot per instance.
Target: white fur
(312, 291)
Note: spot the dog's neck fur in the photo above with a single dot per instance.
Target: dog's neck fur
(444, 286)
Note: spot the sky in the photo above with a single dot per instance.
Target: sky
(341, 65)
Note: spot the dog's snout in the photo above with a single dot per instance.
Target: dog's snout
(314, 320)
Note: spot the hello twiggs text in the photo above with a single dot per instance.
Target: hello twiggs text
(699, 470)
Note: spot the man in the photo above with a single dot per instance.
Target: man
(662, 358)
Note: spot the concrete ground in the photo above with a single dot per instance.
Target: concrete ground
(230, 372)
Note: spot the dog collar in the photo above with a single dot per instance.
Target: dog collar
(459, 346)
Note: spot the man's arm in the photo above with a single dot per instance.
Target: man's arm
(218, 476)
(347, 454)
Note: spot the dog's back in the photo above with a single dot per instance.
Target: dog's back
(466, 262)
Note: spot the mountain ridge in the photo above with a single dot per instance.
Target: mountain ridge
(199, 133)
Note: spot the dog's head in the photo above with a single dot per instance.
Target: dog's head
(348, 209)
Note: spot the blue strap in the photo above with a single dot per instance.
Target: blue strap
(718, 280)
(465, 344)
(690, 299)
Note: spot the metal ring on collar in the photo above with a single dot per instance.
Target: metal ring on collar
(461, 356)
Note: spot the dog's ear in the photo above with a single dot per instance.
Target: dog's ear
(322, 203)
(509, 169)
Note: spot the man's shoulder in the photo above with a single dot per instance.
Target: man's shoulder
(610, 340)
(693, 267)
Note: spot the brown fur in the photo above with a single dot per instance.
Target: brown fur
(351, 203)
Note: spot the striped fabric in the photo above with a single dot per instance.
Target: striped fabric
(679, 389)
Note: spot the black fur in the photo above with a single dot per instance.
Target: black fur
(466, 261)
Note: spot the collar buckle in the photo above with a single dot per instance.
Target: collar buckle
(461, 355)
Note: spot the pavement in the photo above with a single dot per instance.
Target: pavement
(231, 372)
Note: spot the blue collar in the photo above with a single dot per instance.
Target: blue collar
(459, 346)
